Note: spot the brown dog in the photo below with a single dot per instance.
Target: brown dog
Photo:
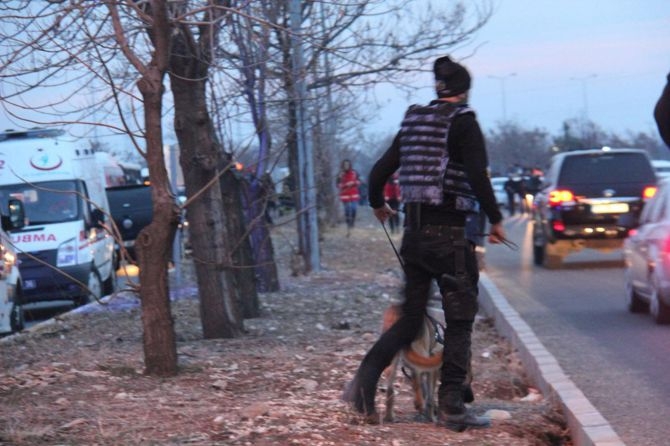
(421, 362)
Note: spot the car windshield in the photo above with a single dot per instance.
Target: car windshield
(606, 168)
(47, 201)
(129, 198)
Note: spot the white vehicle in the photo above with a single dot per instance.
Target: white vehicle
(498, 184)
(661, 168)
(11, 312)
(64, 251)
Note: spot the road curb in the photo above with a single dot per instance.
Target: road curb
(587, 426)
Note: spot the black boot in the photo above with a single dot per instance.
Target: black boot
(468, 394)
(362, 400)
(453, 414)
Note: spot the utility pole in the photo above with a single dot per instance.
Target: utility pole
(308, 223)
(585, 100)
(502, 80)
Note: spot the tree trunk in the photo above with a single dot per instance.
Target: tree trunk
(254, 203)
(210, 236)
(200, 158)
(232, 191)
(155, 240)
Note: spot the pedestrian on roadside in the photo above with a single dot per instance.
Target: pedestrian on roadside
(348, 184)
(510, 190)
(443, 173)
(392, 198)
(662, 113)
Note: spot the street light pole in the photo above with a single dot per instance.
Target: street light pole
(502, 80)
(585, 99)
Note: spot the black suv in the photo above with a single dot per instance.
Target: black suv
(132, 209)
(584, 194)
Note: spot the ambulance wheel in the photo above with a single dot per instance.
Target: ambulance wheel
(110, 284)
(93, 289)
(16, 318)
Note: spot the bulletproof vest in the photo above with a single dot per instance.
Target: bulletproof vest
(427, 175)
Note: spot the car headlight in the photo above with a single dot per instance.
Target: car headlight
(67, 253)
(8, 261)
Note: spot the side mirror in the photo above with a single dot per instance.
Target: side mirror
(17, 215)
(628, 221)
(97, 218)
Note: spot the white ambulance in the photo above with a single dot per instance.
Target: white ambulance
(64, 252)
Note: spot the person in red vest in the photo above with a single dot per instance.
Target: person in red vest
(347, 183)
(392, 198)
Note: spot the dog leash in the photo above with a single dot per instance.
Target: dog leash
(505, 241)
(397, 254)
(453, 281)
(439, 328)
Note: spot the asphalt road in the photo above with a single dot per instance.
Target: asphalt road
(620, 360)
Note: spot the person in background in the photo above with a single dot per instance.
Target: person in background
(392, 198)
(268, 196)
(439, 189)
(662, 113)
(348, 184)
(510, 190)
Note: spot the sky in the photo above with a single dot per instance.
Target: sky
(540, 62)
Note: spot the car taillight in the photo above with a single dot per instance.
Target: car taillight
(648, 192)
(558, 226)
(560, 196)
(666, 246)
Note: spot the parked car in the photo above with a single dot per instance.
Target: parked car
(583, 195)
(132, 209)
(647, 258)
(662, 168)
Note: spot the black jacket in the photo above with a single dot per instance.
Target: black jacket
(466, 145)
(662, 113)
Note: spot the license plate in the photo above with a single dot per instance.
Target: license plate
(610, 208)
(29, 284)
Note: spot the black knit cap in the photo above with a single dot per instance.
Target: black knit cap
(451, 78)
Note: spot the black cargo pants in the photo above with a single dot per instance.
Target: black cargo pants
(428, 254)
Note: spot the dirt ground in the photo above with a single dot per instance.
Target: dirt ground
(80, 381)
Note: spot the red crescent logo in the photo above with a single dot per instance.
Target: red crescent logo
(43, 161)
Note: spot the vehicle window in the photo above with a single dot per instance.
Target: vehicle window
(648, 210)
(552, 173)
(130, 199)
(655, 208)
(46, 201)
(660, 211)
(606, 168)
(663, 208)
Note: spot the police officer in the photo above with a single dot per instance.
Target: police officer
(442, 159)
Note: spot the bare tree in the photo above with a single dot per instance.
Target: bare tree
(353, 46)
(82, 42)
(214, 226)
(510, 144)
(251, 39)
(349, 48)
(154, 241)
